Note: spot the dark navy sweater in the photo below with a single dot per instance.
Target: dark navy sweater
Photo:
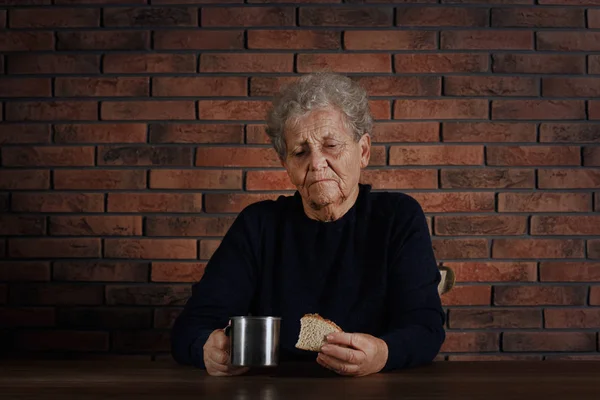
(372, 271)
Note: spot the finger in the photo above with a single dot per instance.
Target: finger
(346, 354)
(220, 340)
(218, 356)
(234, 371)
(345, 339)
(339, 366)
(215, 369)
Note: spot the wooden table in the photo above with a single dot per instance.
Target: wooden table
(506, 380)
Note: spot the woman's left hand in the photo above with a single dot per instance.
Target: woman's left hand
(353, 354)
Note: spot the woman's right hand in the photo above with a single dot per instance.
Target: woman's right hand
(216, 356)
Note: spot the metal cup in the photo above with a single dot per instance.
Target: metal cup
(254, 341)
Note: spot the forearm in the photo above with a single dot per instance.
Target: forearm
(187, 340)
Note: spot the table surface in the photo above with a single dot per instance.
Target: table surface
(92, 380)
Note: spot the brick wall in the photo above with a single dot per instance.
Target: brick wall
(132, 134)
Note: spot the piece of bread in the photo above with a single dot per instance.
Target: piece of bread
(313, 331)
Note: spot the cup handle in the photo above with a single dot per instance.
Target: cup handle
(227, 329)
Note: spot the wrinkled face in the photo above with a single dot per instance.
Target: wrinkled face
(323, 159)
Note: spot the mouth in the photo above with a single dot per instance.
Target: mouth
(321, 180)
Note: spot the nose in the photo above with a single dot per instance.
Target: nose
(317, 160)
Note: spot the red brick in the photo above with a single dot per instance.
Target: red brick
(488, 132)
(96, 225)
(58, 202)
(347, 63)
(62, 341)
(236, 157)
(103, 87)
(24, 179)
(150, 248)
(101, 271)
(247, 16)
(54, 247)
(565, 225)
(573, 271)
(440, 63)
(3, 14)
(24, 271)
(568, 178)
(147, 295)
(468, 296)
(378, 156)
(594, 109)
(571, 87)
(471, 342)
(591, 156)
(193, 1)
(146, 155)
(380, 109)
(538, 63)
(568, 41)
(100, 133)
(33, 156)
(54, 18)
(400, 178)
(401, 85)
(148, 110)
(164, 318)
(68, 294)
(455, 201)
(549, 341)
(150, 17)
(436, 155)
(538, 248)
(594, 64)
(480, 225)
(196, 179)
(539, 295)
(26, 41)
(234, 202)
(196, 133)
(249, 62)
(488, 178)
(141, 341)
(494, 318)
(53, 64)
(103, 40)
(544, 202)
(533, 155)
(24, 133)
(497, 271)
(489, 86)
(486, 40)
(494, 357)
(22, 225)
(257, 134)
(294, 39)
(570, 132)
(351, 16)
(593, 18)
(188, 226)
(391, 40)
(441, 16)
(595, 296)
(538, 109)
(3, 294)
(24, 2)
(20, 317)
(198, 40)
(100, 179)
(267, 86)
(208, 247)
(406, 132)
(536, 17)
(177, 272)
(233, 109)
(105, 318)
(25, 87)
(560, 357)
(441, 109)
(571, 2)
(104, 2)
(460, 248)
(268, 180)
(572, 318)
(51, 110)
(149, 63)
(154, 202)
(199, 86)
(4, 202)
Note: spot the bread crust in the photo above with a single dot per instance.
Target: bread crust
(329, 322)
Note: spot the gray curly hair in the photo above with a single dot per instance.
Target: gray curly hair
(317, 91)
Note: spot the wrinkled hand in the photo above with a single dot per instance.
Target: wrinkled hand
(216, 356)
(353, 354)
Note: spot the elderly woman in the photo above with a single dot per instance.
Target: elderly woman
(362, 259)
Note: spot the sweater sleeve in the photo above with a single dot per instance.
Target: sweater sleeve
(416, 319)
(225, 290)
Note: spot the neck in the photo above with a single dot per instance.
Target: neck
(334, 211)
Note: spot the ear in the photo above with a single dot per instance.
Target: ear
(365, 150)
